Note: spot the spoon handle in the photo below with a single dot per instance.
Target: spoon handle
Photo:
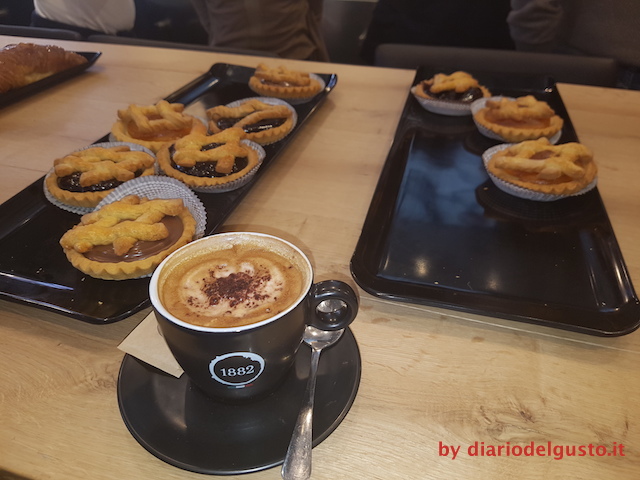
(297, 462)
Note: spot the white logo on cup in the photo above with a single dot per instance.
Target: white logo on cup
(236, 369)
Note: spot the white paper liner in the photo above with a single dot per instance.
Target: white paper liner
(155, 186)
(480, 104)
(442, 107)
(83, 210)
(269, 101)
(298, 101)
(521, 192)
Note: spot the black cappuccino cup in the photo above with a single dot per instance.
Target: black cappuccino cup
(233, 307)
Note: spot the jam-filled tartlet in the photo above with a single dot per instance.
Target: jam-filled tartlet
(516, 119)
(539, 166)
(263, 122)
(83, 178)
(281, 82)
(212, 163)
(449, 94)
(128, 238)
(155, 126)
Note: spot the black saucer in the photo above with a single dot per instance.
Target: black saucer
(177, 423)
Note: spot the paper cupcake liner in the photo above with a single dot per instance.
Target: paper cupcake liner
(299, 101)
(270, 101)
(442, 107)
(83, 210)
(480, 104)
(154, 186)
(522, 192)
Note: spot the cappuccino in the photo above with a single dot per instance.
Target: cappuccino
(230, 284)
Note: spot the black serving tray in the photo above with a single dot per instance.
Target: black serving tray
(440, 233)
(35, 271)
(16, 94)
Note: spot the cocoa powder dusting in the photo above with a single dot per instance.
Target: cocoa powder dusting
(237, 288)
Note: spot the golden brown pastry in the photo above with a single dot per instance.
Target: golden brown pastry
(280, 82)
(128, 238)
(25, 63)
(263, 123)
(542, 167)
(154, 126)
(208, 161)
(523, 118)
(84, 178)
(458, 87)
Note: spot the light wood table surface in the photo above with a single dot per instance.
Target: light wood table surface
(429, 376)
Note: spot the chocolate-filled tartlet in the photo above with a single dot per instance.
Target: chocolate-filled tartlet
(128, 238)
(85, 177)
(459, 87)
(263, 123)
(210, 161)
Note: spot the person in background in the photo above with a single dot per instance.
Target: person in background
(582, 27)
(453, 23)
(288, 28)
(88, 17)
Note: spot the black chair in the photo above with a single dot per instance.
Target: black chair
(562, 68)
(39, 32)
(182, 46)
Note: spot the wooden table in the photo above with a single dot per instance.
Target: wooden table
(430, 377)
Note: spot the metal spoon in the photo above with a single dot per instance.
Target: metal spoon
(297, 462)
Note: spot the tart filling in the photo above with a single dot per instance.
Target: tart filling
(263, 123)
(542, 167)
(128, 238)
(209, 161)
(156, 125)
(459, 87)
(516, 120)
(85, 177)
(280, 82)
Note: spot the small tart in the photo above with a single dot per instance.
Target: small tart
(458, 87)
(128, 238)
(542, 167)
(519, 119)
(154, 126)
(209, 160)
(263, 123)
(280, 82)
(85, 177)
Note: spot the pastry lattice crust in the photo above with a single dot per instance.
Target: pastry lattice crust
(251, 112)
(122, 224)
(516, 120)
(95, 165)
(154, 126)
(189, 150)
(540, 166)
(280, 82)
(458, 82)
(25, 63)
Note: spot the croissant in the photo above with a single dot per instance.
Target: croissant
(25, 63)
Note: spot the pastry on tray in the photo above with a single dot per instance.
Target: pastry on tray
(539, 166)
(85, 177)
(263, 123)
(519, 119)
(154, 126)
(25, 63)
(280, 82)
(128, 238)
(459, 87)
(210, 162)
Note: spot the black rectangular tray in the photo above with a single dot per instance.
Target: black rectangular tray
(16, 94)
(440, 233)
(35, 271)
